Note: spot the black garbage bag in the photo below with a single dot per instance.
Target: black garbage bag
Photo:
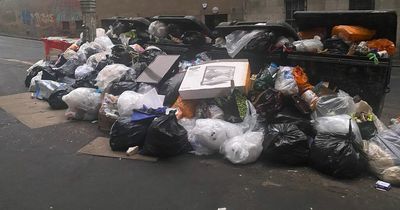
(68, 69)
(149, 55)
(139, 67)
(230, 107)
(337, 154)
(118, 88)
(55, 100)
(122, 54)
(32, 74)
(368, 130)
(60, 61)
(262, 42)
(48, 73)
(194, 38)
(336, 46)
(170, 88)
(125, 134)
(89, 81)
(286, 143)
(268, 103)
(166, 138)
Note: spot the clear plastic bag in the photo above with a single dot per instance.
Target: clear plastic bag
(243, 149)
(110, 74)
(237, 40)
(285, 82)
(212, 133)
(383, 153)
(83, 104)
(44, 88)
(83, 71)
(331, 105)
(128, 101)
(32, 86)
(338, 124)
(95, 59)
(151, 99)
(144, 88)
(309, 45)
(104, 42)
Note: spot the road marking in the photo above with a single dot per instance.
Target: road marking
(17, 61)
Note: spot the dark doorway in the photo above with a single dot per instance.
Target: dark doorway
(213, 20)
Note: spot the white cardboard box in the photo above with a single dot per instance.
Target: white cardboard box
(215, 79)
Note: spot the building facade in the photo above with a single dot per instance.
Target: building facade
(38, 18)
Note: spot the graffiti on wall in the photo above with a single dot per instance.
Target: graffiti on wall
(59, 11)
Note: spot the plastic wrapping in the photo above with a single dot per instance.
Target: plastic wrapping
(83, 71)
(44, 88)
(166, 138)
(353, 33)
(83, 104)
(125, 134)
(337, 147)
(237, 40)
(243, 149)
(128, 101)
(212, 133)
(331, 105)
(285, 82)
(95, 59)
(382, 44)
(268, 103)
(309, 45)
(337, 124)
(110, 74)
(286, 143)
(383, 154)
(104, 42)
(38, 77)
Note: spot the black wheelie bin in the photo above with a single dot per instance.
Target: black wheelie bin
(357, 75)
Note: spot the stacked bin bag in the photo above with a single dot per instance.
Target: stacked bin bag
(204, 106)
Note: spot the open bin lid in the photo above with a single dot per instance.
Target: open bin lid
(281, 29)
(187, 23)
(384, 22)
(136, 22)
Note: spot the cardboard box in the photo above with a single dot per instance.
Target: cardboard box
(157, 70)
(215, 79)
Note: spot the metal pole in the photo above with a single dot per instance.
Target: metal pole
(88, 8)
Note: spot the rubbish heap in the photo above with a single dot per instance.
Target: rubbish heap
(169, 106)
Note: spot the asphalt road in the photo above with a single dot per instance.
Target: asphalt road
(40, 169)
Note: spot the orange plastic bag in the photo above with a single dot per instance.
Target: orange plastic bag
(382, 44)
(353, 33)
(186, 108)
(301, 79)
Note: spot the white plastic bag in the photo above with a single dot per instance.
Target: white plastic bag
(309, 45)
(243, 149)
(104, 42)
(110, 74)
(237, 40)
(285, 82)
(338, 124)
(39, 63)
(158, 29)
(151, 99)
(95, 59)
(212, 133)
(82, 71)
(128, 101)
(331, 105)
(83, 103)
(32, 86)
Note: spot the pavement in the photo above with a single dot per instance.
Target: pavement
(40, 168)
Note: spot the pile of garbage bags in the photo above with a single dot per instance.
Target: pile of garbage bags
(277, 115)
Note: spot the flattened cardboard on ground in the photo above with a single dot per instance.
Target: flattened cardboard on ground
(195, 84)
(31, 112)
(100, 147)
(156, 71)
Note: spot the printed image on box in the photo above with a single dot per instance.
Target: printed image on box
(218, 74)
